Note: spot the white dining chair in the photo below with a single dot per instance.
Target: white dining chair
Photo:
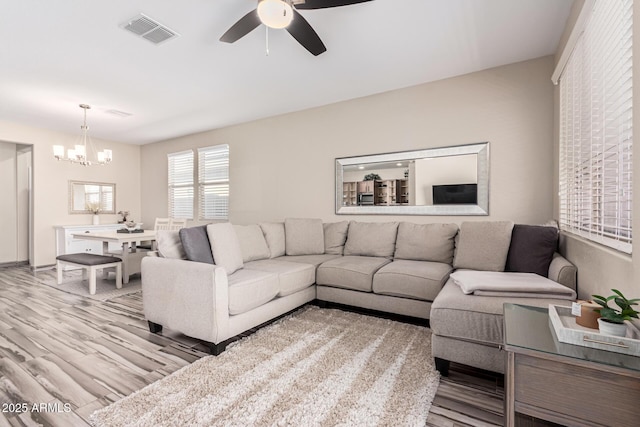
(176, 224)
(162, 224)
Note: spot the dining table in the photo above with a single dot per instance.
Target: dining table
(128, 241)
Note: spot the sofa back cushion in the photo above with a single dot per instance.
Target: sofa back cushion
(483, 245)
(371, 239)
(335, 236)
(426, 242)
(196, 244)
(252, 242)
(274, 235)
(304, 236)
(532, 248)
(169, 244)
(225, 246)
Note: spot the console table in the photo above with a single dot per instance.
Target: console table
(564, 383)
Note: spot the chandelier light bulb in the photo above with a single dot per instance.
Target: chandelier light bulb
(276, 14)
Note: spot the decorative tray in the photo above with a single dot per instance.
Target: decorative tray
(568, 331)
(126, 230)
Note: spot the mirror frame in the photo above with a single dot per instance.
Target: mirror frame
(87, 211)
(481, 208)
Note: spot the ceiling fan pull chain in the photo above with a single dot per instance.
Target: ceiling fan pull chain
(267, 41)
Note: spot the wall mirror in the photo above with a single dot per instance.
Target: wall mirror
(434, 181)
(87, 197)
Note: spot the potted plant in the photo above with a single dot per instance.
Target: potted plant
(611, 321)
(372, 177)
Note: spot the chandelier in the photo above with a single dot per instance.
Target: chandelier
(82, 151)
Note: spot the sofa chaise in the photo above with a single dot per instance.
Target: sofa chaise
(216, 281)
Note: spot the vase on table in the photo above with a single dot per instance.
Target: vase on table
(96, 220)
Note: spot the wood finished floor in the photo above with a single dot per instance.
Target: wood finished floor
(79, 355)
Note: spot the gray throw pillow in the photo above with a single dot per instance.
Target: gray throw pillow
(196, 244)
(225, 246)
(274, 235)
(371, 239)
(304, 236)
(483, 245)
(252, 243)
(426, 242)
(169, 244)
(335, 236)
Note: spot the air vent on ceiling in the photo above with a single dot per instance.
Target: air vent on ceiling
(149, 29)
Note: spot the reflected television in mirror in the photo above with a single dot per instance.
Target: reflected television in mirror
(455, 194)
(435, 181)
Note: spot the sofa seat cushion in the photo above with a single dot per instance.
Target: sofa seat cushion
(292, 276)
(315, 260)
(249, 289)
(421, 280)
(350, 272)
(475, 318)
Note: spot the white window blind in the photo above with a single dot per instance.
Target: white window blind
(181, 184)
(596, 134)
(213, 182)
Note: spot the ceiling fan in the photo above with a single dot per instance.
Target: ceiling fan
(280, 14)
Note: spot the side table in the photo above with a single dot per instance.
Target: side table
(564, 383)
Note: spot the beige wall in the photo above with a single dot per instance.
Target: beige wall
(51, 177)
(599, 268)
(284, 166)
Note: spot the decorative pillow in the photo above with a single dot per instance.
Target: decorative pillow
(196, 244)
(252, 242)
(335, 235)
(304, 236)
(225, 246)
(483, 245)
(169, 244)
(426, 242)
(532, 248)
(274, 235)
(371, 239)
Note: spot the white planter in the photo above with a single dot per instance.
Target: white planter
(96, 220)
(614, 329)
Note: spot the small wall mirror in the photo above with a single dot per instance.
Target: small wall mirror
(89, 197)
(435, 181)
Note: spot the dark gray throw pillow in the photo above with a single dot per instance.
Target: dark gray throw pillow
(531, 249)
(195, 242)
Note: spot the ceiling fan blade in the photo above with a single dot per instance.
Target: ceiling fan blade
(301, 30)
(244, 26)
(323, 4)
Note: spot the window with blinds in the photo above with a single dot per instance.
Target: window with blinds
(181, 184)
(596, 134)
(213, 182)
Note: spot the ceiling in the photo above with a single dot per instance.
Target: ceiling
(57, 54)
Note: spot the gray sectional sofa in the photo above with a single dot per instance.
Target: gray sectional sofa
(248, 275)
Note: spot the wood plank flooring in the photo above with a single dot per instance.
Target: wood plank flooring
(70, 355)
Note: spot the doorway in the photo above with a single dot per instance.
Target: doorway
(16, 216)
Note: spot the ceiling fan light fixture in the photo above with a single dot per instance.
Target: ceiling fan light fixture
(276, 14)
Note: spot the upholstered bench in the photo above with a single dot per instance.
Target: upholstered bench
(90, 263)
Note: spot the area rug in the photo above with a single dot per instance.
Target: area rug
(105, 288)
(317, 367)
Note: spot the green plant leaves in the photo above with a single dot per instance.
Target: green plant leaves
(616, 315)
